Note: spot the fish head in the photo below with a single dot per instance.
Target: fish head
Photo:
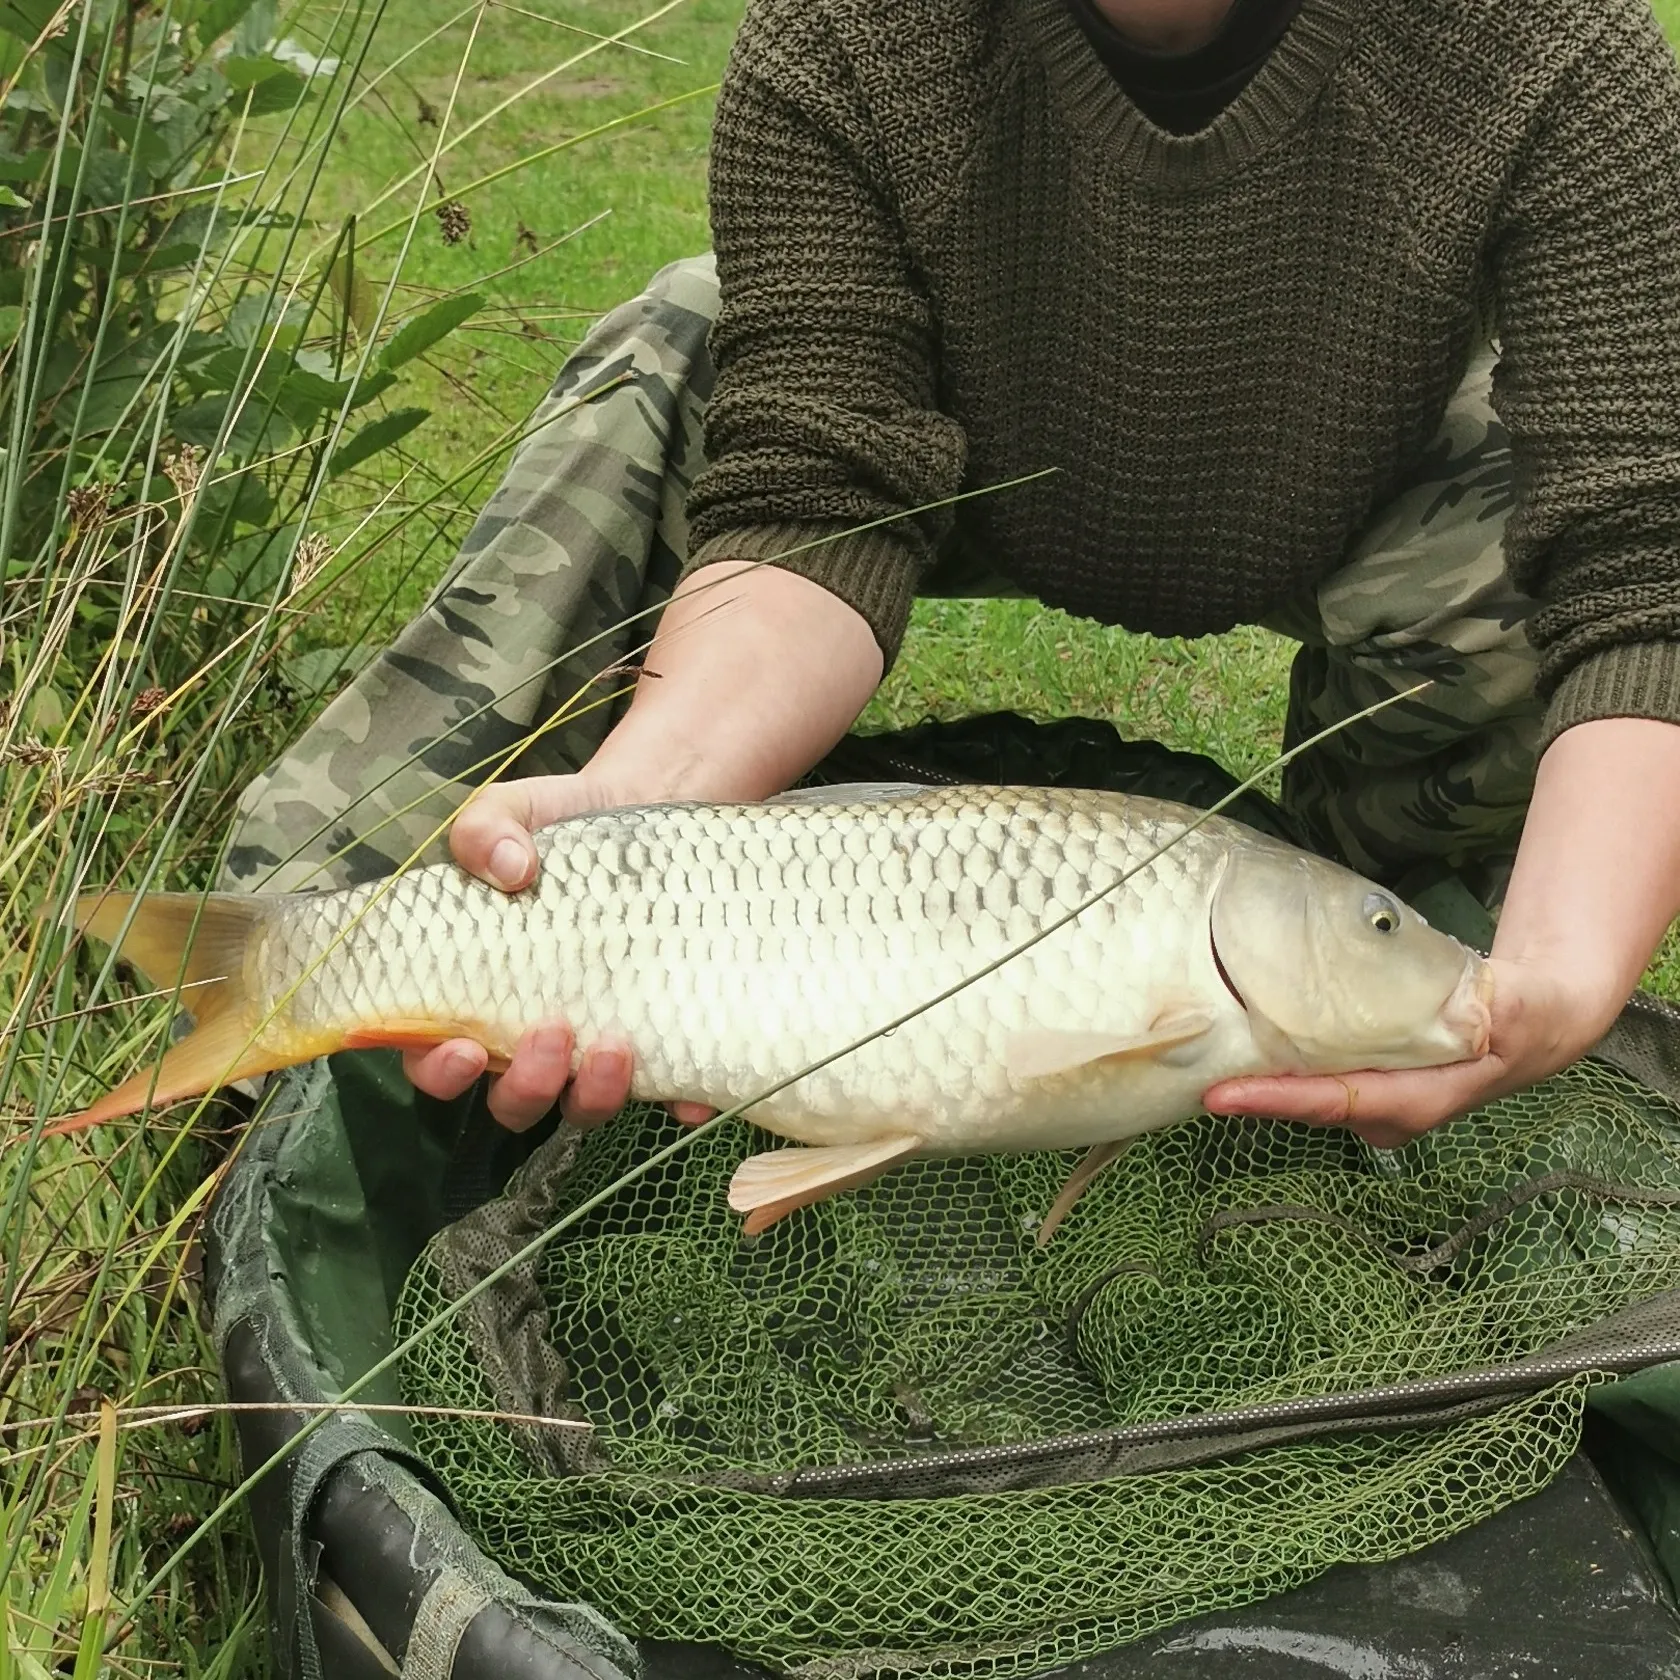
(1336, 973)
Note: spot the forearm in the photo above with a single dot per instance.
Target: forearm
(754, 674)
(1597, 878)
(827, 412)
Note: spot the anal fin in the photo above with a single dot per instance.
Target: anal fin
(768, 1187)
(1091, 1163)
(419, 1035)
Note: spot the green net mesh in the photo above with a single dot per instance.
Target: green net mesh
(892, 1436)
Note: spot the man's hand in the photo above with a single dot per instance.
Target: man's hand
(492, 838)
(1596, 884)
(1539, 1025)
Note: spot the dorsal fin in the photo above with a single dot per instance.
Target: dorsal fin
(851, 793)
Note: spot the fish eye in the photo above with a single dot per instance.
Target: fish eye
(1382, 912)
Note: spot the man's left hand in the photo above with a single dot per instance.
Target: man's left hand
(1541, 1022)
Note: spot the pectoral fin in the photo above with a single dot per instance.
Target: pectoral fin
(765, 1187)
(1042, 1053)
(1091, 1163)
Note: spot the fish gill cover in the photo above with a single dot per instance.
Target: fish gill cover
(891, 1436)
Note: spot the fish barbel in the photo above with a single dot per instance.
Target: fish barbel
(734, 945)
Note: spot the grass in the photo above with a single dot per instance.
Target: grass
(100, 1295)
(586, 228)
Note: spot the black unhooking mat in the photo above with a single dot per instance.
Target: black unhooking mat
(367, 1522)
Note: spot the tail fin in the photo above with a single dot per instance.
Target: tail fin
(202, 941)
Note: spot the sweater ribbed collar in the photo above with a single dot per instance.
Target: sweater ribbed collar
(1275, 99)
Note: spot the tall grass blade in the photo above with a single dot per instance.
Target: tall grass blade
(99, 1558)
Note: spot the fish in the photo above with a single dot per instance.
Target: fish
(1123, 953)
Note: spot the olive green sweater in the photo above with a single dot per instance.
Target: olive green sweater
(952, 252)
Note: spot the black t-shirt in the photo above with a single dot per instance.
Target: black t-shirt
(1182, 92)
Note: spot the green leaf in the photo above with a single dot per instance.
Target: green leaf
(361, 393)
(301, 393)
(158, 260)
(323, 669)
(256, 29)
(304, 386)
(229, 502)
(11, 318)
(33, 166)
(234, 370)
(421, 332)
(12, 200)
(245, 73)
(376, 435)
(253, 316)
(250, 568)
(217, 17)
(255, 430)
(263, 85)
(121, 375)
(27, 18)
(349, 284)
(107, 401)
(46, 709)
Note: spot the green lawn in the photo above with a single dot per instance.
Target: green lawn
(585, 226)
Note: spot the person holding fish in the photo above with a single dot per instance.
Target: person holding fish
(1354, 321)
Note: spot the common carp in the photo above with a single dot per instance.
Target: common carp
(734, 945)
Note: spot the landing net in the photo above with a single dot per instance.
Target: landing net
(891, 1436)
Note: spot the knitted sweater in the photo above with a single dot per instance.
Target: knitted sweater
(952, 252)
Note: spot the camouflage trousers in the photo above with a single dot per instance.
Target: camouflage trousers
(523, 656)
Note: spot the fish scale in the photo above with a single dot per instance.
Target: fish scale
(734, 946)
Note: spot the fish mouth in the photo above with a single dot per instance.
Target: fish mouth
(1469, 1011)
(1222, 971)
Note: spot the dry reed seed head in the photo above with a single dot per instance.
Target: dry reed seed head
(148, 700)
(313, 553)
(184, 468)
(454, 221)
(87, 504)
(33, 751)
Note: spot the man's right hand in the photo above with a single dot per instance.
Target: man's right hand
(492, 839)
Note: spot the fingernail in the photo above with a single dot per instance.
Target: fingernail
(552, 1039)
(459, 1065)
(507, 865)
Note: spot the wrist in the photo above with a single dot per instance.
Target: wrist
(1562, 1004)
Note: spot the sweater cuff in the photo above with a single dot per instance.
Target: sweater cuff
(873, 572)
(1632, 679)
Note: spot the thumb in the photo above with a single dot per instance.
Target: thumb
(492, 836)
